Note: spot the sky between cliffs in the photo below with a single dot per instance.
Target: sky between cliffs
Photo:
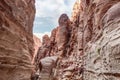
(47, 14)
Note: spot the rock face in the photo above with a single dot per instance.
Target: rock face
(97, 24)
(16, 39)
(100, 20)
(98, 38)
(46, 71)
(37, 44)
(43, 51)
(88, 47)
(62, 34)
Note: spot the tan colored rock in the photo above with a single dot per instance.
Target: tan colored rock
(68, 74)
(76, 10)
(16, 39)
(48, 63)
(70, 68)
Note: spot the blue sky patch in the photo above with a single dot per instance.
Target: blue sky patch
(47, 14)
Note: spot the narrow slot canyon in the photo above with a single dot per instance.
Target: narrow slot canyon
(83, 46)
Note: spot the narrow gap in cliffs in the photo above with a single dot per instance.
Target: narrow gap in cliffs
(57, 57)
(82, 45)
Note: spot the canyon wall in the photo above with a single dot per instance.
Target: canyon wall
(16, 39)
(99, 33)
(101, 39)
(88, 46)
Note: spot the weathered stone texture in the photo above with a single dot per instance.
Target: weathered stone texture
(94, 40)
(101, 39)
(90, 46)
(16, 39)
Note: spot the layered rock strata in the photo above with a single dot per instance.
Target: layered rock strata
(99, 26)
(88, 47)
(16, 39)
(101, 50)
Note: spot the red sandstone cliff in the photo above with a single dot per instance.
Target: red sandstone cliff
(16, 39)
(88, 49)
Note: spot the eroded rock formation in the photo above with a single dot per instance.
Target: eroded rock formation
(88, 47)
(101, 52)
(16, 39)
(99, 28)
(62, 44)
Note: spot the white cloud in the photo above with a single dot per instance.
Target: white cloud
(47, 14)
(40, 35)
(53, 8)
(44, 8)
(36, 22)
